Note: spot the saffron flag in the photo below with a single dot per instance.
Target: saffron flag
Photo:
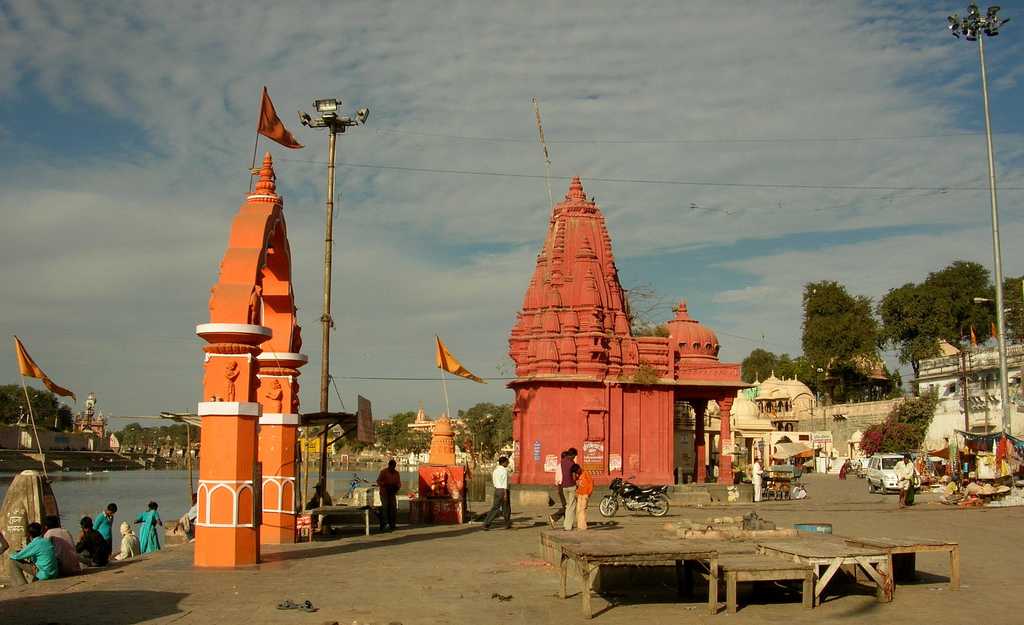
(449, 363)
(271, 126)
(28, 368)
(995, 334)
(974, 338)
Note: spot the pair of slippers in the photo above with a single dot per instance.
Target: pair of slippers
(305, 606)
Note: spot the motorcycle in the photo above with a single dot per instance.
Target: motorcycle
(653, 500)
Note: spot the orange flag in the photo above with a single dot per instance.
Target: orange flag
(28, 368)
(271, 126)
(995, 334)
(974, 338)
(449, 363)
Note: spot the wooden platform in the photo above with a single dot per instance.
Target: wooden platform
(826, 554)
(758, 568)
(587, 554)
(904, 555)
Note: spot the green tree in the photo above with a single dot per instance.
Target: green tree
(485, 429)
(50, 412)
(1013, 299)
(174, 435)
(904, 429)
(394, 434)
(960, 283)
(758, 365)
(914, 318)
(840, 335)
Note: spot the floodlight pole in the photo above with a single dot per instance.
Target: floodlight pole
(976, 26)
(335, 125)
(997, 252)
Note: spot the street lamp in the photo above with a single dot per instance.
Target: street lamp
(328, 110)
(975, 27)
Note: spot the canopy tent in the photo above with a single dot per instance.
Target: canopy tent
(792, 450)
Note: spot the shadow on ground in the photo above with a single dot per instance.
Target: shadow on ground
(90, 608)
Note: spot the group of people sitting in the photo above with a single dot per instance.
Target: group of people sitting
(51, 552)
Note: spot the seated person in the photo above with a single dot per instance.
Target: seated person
(63, 546)
(129, 543)
(186, 525)
(93, 549)
(38, 558)
(318, 499)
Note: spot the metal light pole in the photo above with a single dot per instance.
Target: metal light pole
(975, 27)
(328, 109)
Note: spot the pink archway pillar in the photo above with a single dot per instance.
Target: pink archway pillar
(700, 407)
(725, 475)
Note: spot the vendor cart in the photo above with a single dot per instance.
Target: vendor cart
(779, 481)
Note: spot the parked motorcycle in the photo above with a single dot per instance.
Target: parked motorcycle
(653, 499)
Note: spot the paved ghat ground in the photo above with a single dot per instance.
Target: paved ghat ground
(450, 575)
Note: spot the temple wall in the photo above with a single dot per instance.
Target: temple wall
(618, 431)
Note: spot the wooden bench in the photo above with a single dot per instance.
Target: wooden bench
(826, 554)
(755, 568)
(590, 554)
(904, 555)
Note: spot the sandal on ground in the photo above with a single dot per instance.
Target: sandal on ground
(307, 606)
(288, 604)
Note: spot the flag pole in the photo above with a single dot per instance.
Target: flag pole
(444, 387)
(35, 432)
(255, 148)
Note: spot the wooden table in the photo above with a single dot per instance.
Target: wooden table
(904, 555)
(758, 568)
(590, 554)
(825, 554)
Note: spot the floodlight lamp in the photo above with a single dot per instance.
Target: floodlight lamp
(972, 10)
(992, 10)
(362, 114)
(304, 118)
(329, 105)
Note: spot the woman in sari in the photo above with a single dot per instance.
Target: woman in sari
(148, 538)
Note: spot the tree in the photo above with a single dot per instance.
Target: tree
(49, 411)
(904, 429)
(1013, 299)
(960, 283)
(173, 435)
(395, 435)
(838, 328)
(485, 429)
(758, 365)
(914, 318)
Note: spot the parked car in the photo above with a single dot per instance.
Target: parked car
(880, 474)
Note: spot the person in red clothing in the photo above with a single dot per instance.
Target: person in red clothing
(584, 489)
(389, 481)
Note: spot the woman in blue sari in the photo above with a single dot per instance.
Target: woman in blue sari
(148, 538)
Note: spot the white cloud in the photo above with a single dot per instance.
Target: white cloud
(115, 260)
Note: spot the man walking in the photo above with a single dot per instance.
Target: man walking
(501, 503)
(569, 472)
(904, 471)
(560, 513)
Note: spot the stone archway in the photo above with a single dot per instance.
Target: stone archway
(250, 389)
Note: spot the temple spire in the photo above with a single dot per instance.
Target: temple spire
(575, 190)
(267, 183)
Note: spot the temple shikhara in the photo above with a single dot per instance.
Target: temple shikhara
(634, 406)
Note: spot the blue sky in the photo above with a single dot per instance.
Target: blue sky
(125, 134)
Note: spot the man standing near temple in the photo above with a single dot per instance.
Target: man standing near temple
(501, 503)
(389, 481)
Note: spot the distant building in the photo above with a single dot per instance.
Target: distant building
(89, 420)
(944, 375)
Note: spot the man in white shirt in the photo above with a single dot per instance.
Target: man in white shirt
(501, 503)
(904, 470)
(756, 475)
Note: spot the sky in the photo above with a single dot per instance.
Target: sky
(738, 151)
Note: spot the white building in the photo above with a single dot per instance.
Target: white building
(944, 375)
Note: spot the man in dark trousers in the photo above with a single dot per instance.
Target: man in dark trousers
(389, 481)
(501, 503)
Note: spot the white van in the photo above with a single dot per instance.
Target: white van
(881, 475)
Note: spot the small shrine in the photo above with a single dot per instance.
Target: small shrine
(442, 484)
(91, 420)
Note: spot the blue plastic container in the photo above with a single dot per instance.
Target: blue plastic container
(818, 528)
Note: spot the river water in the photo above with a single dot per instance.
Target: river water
(87, 494)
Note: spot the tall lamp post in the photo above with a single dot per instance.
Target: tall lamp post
(975, 27)
(335, 125)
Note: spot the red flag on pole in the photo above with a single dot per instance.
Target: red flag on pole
(271, 126)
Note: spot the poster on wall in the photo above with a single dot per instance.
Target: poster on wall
(550, 463)
(614, 462)
(536, 451)
(593, 456)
